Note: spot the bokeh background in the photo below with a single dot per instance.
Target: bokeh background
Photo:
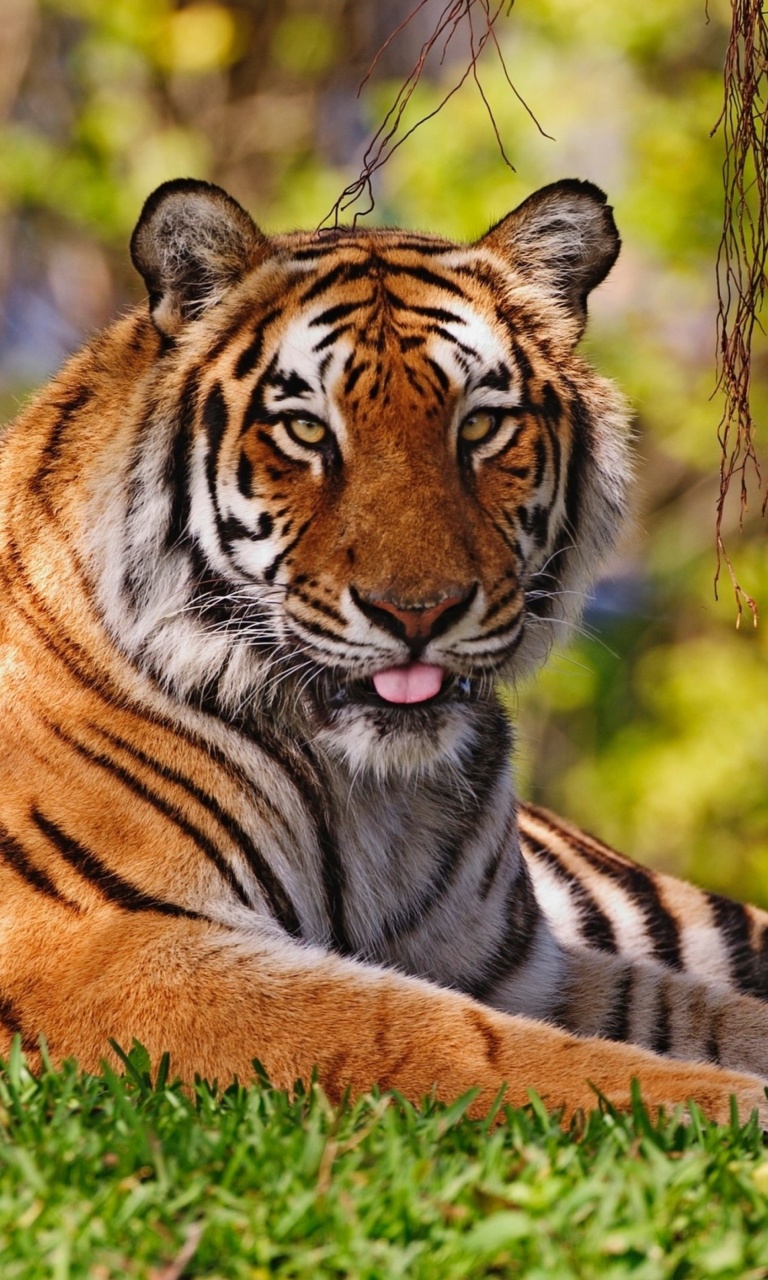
(652, 729)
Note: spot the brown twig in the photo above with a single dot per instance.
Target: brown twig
(176, 1268)
(741, 262)
(386, 141)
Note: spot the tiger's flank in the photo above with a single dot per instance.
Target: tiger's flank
(267, 546)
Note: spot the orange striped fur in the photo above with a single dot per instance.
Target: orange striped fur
(266, 547)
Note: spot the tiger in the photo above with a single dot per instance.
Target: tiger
(269, 546)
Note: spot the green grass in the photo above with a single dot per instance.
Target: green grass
(117, 1176)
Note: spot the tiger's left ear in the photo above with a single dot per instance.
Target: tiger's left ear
(191, 244)
(564, 238)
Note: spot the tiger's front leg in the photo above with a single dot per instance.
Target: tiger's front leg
(216, 999)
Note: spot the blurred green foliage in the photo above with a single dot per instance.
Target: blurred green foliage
(652, 729)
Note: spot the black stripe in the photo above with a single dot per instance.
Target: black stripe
(257, 410)
(63, 648)
(535, 523)
(508, 536)
(522, 359)
(111, 885)
(330, 338)
(578, 464)
(229, 528)
(595, 925)
(245, 475)
(551, 404)
(506, 841)
(434, 313)
(340, 311)
(498, 379)
(215, 421)
(270, 572)
(640, 886)
(324, 250)
(320, 606)
(663, 929)
(343, 273)
(619, 1017)
(347, 241)
(471, 354)
(422, 274)
(318, 628)
(761, 964)
(519, 473)
(502, 601)
(279, 902)
(513, 947)
(67, 408)
(353, 375)
(274, 447)
(440, 374)
(661, 1041)
(334, 885)
(540, 452)
(14, 854)
(415, 381)
(11, 1020)
(288, 384)
(230, 336)
(409, 243)
(733, 925)
(250, 355)
(169, 811)
(304, 770)
(479, 272)
(712, 1050)
(176, 477)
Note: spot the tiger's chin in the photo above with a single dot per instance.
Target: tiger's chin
(356, 724)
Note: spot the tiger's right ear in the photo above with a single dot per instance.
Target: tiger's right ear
(562, 238)
(191, 244)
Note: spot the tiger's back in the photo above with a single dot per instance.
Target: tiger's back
(265, 552)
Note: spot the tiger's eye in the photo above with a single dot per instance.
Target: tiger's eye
(306, 430)
(477, 426)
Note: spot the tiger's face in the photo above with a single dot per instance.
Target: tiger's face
(396, 470)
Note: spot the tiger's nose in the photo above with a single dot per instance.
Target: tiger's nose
(415, 623)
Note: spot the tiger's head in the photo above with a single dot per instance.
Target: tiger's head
(372, 476)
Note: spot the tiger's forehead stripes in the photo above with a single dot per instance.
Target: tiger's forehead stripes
(456, 332)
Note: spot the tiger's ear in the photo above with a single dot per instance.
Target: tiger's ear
(192, 243)
(562, 237)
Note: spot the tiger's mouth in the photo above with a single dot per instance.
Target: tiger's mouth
(412, 686)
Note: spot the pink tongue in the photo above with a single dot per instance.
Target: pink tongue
(414, 683)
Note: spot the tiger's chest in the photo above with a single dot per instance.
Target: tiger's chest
(434, 884)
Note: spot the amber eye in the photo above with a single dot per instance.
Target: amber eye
(306, 430)
(478, 426)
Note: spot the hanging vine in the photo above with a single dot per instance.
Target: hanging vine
(478, 19)
(741, 263)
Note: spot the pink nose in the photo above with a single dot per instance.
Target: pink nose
(417, 624)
